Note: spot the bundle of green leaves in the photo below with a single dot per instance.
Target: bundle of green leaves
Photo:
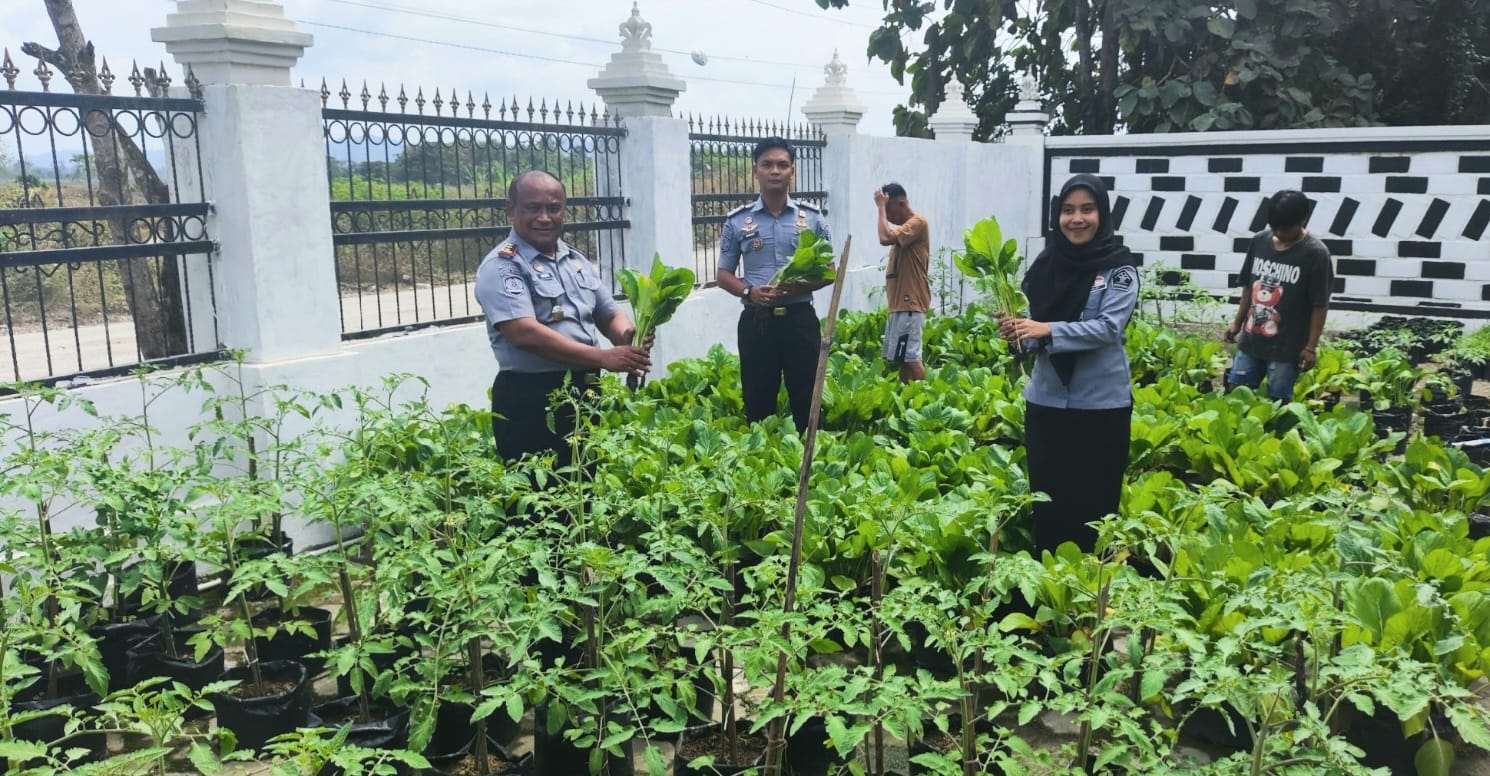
(656, 295)
(994, 264)
(812, 261)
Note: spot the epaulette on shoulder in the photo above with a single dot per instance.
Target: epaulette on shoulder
(507, 251)
(740, 209)
(809, 206)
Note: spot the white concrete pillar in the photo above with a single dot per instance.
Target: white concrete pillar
(834, 108)
(264, 167)
(656, 170)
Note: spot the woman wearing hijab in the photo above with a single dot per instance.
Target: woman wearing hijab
(1079, 400)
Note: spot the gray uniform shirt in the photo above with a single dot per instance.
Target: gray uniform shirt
(563, 292)
(765, 242)
(1102, 380)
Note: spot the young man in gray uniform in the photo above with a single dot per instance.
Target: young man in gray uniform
(546, 310)
(779, 334)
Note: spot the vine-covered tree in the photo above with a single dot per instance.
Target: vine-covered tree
(1173, 65)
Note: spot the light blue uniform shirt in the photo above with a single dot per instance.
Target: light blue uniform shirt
(1102, 379)
(765, 242)
(563, 292)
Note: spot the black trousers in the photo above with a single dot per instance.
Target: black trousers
(775, 344)
(1079, 458)
(520, 403)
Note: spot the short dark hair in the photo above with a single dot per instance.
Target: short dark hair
(893, 190)
(1288, 208)
(767, 143)
(524, 177)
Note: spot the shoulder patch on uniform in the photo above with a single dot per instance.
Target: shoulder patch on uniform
(507, 251)
(1124, 278)
(739, 209)
(513, 285)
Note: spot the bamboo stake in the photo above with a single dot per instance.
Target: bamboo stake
(775, 740)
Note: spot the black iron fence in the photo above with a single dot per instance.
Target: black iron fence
(105, 259)
(719, 155)
(419, 198)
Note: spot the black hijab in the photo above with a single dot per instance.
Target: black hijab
(1059, 281)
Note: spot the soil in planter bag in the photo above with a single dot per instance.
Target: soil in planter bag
(148, 659)
(256, 720)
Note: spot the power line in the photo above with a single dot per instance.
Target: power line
(541, 58)
(392, 8)
(818, 16)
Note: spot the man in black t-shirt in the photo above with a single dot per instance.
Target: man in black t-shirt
(1286, 281)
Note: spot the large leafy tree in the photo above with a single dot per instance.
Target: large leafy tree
(1170, 65)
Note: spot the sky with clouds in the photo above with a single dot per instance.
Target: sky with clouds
(546, 49)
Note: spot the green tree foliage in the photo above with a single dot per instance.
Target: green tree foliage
(1183, 65)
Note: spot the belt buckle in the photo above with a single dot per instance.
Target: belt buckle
(779, 312)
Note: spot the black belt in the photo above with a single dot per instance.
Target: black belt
(776, 310)
(576, 377)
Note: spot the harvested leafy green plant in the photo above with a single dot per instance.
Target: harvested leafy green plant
(656, 295)
(812, 262)
(993, 263)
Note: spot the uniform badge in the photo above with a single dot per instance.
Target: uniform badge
(513, 286)
(801, 223)
(749, 220)
(802, 214)
(1099, 282)
(507, 251)
(755, 244)
(540, 267)
(1124, 278)
(557, 314)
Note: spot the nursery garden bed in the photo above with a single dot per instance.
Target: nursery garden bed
(1292, 588)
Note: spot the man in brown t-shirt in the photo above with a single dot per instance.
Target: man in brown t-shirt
(907, 282)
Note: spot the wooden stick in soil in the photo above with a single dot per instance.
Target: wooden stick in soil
(876, 659)
(775, 740)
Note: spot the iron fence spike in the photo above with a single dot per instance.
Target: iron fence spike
(43, 74)
(105, 75)
(9, 70)
(193, 84)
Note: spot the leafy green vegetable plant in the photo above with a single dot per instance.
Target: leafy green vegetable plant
(811, 262)
(994, 264)
(654, 296)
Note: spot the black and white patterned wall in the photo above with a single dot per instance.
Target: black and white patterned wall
(1408, 224)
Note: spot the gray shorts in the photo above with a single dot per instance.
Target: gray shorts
(903, 337)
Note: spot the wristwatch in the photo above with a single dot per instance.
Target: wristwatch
(745, 296)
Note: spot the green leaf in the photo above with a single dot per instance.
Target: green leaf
(1434, 758)
(1221, 27)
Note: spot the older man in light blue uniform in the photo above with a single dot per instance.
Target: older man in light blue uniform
(779, 334)
(546, 309)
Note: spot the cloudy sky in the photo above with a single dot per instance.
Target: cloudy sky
(543, 49)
